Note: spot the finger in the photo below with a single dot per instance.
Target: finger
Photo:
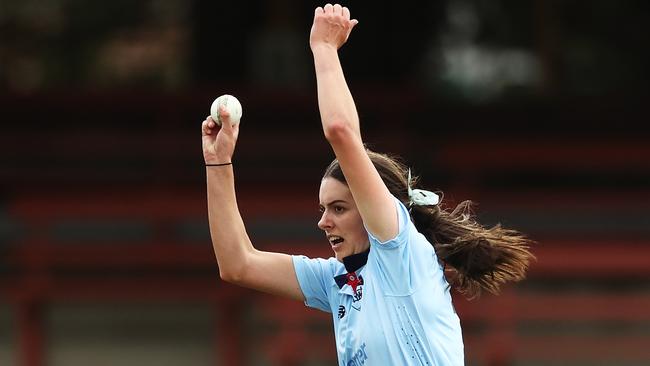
(328, 8)
(318, 10)
(205, 129)
(346, 13)
(211, 122)
(353, 22)
(337, 10)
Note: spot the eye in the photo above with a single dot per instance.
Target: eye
(338, 209)
(321, 209)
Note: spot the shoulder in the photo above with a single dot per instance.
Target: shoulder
(316, 279)
(405, 226)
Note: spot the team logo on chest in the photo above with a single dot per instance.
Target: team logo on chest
(356, 282)
(356, 285)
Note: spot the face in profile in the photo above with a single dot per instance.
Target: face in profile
(340, 219)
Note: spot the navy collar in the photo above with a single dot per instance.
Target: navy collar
(352, 263)
(355, 261)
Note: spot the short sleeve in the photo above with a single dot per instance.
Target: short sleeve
(315, 279)
(404, 261)
(403, 219)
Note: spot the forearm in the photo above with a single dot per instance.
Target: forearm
(229, 239)
(334, 98)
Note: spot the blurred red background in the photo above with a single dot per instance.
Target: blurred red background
(532, 109)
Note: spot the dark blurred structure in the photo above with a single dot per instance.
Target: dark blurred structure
(534, 109)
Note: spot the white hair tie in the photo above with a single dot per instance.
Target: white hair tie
(420, 197)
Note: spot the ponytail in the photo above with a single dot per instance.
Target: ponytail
(480, 258)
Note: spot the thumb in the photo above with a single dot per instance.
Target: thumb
(224, 117)
(352, 23)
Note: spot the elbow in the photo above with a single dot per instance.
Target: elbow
(230, 276)
(233, 274)
(338, 131)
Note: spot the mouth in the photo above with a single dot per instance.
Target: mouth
(335, 241)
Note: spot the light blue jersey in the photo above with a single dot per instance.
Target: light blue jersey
(394, 310)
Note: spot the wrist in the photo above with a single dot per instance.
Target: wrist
(216, 159)
(323, 47)
(218, 164)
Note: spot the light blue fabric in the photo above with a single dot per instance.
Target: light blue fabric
(401, 315)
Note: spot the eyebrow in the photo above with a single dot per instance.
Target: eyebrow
(333, 202)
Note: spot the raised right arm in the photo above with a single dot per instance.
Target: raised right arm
(239, 262)
(330, 30)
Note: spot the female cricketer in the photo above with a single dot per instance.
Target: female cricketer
(385, 285)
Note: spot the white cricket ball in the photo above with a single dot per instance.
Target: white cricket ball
(232, 106)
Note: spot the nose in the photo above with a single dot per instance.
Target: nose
(325, 223)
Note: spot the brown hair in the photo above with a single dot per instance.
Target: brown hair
(480, 258)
